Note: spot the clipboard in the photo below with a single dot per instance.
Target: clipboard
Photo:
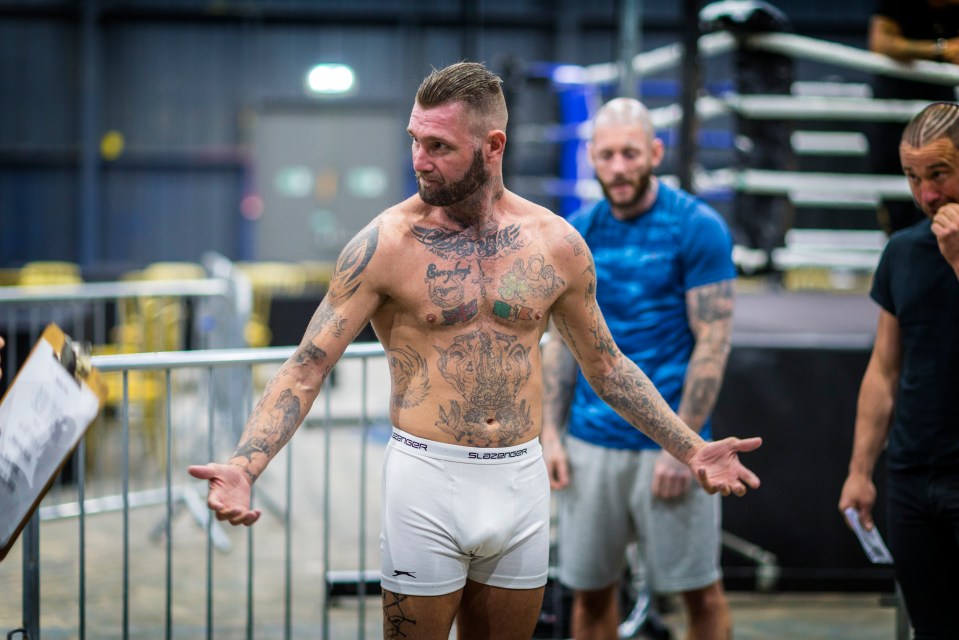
(54, 398)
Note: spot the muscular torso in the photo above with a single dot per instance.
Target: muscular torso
(462, 314)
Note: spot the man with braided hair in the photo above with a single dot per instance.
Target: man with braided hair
(909, 397)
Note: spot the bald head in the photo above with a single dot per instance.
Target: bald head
(624, 112)
(935, 122)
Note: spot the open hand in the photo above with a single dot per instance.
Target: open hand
(718, 469)
(229, 495)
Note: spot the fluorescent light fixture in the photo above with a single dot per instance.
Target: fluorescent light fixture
(330, 79)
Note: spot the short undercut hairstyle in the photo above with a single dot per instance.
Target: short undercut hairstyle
(938, 120)
(472, 84)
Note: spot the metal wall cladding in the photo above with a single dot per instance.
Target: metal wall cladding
(182, 82)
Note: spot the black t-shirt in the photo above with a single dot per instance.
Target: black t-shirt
(915, 283)
(917, 20)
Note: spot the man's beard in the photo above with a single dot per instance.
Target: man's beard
(451, 193)
(641, 188)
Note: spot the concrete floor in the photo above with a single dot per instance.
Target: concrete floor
(798, 616)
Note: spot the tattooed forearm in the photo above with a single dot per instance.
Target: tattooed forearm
(627, 390)
(269, 428)
(559, 378)
(710, 309)
(704, 376)
(699, 397)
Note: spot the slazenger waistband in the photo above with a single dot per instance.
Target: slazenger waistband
(457, 453)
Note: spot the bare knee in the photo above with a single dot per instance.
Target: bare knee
(708, 611)
(595, 614)
(711, 598)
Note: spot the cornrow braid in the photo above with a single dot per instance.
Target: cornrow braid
(936, 121)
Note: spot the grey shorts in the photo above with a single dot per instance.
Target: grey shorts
(452, 512)
(609, 503)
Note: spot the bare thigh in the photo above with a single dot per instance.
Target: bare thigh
(419, 617)
(481, 611)
(494, 612)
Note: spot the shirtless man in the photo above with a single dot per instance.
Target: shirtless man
(459, 283)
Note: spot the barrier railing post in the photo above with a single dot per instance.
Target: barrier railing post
(30, 538)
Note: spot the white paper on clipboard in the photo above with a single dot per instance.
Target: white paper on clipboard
(43, 415)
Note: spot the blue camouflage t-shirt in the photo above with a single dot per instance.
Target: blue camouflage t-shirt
(644, 267)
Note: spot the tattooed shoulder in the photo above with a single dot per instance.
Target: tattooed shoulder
(354, 259)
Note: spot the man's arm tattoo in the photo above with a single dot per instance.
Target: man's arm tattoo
(710, 318)
(632, 395)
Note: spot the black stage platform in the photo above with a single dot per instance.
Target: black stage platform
(793, 378)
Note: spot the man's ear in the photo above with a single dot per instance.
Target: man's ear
(495, 144)
(656, 150)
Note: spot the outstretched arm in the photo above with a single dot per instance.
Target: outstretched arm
(625, 388)
(344, 311)
(873, 417)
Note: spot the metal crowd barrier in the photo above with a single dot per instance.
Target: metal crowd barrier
(170, 581)
(82, 310)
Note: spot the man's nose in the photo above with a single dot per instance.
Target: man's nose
(421, 160)
(618, 163)
(929, 193)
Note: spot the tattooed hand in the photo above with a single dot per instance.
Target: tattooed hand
(718, 469)
(229, 496)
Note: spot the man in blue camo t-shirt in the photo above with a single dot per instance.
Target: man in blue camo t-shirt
(664, 275)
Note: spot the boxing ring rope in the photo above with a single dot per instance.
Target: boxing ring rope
(853, 104)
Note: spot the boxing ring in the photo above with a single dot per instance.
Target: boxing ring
(803, 116)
